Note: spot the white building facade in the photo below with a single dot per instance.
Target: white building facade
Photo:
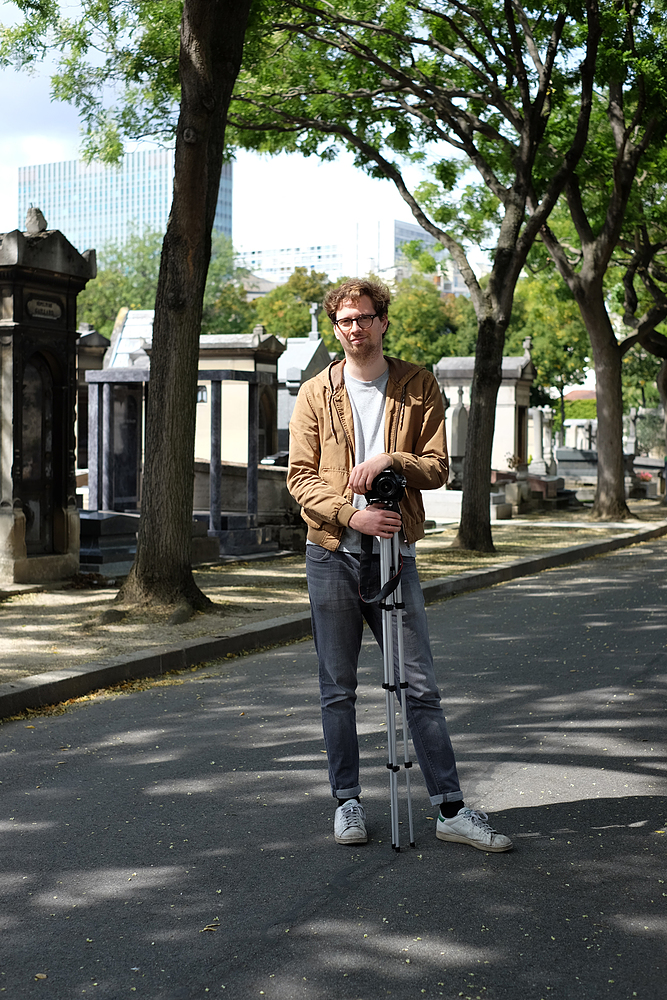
(361, 248)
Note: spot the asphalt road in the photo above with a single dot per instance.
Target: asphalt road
(176, 843)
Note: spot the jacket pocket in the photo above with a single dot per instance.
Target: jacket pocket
(310, 521)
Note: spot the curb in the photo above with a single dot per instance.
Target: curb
(450, 586)
(61, 685)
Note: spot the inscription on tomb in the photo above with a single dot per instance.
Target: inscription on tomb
(44, 309)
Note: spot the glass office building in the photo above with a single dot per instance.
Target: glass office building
(93, 204)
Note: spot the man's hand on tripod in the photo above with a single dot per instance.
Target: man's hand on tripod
(376, 520)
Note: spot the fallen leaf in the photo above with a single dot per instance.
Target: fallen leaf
(40, 975)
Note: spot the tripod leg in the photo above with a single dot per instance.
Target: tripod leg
(400, 652)
(389, 685)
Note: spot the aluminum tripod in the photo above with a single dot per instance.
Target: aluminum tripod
(392, 608)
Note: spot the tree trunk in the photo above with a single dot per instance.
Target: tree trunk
(475, 527)
(610, 502)
(212, 34)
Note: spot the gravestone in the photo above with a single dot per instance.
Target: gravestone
(304, 357)
(538, 466)
(457, 443)
(41, 274)
(91, 347)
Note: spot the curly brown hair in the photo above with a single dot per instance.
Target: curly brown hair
(352, 290)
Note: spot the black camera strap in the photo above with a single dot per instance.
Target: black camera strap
(387, 489)
(365, 563)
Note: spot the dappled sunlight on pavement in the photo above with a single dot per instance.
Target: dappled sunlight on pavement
(176, 841)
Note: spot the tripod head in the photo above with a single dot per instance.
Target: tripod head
(388, 489)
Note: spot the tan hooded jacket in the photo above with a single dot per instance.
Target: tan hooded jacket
(322, 448)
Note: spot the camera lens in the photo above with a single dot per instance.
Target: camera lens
(388, 486)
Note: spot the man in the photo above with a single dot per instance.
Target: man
(359, 417)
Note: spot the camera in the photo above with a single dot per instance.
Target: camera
(387, 487)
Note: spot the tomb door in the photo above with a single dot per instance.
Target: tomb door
(522, 433)
(267, 424)
(37, 458)
(127, 437)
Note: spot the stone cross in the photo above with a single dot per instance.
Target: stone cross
(314, 332)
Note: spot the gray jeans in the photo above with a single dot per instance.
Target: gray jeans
(338, 614)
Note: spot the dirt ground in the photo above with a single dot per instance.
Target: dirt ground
(61, 626)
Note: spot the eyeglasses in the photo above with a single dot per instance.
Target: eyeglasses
(364, 322)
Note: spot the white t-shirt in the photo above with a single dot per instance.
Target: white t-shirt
(367, 400)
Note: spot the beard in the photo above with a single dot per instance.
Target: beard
(366, 351)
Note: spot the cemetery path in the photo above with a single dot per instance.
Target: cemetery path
(176, 842)
(60, 627)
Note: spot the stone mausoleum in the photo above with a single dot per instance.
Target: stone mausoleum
(510, 436)
(41, 274)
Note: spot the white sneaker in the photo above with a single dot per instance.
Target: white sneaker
(350, 823)
(473, 828)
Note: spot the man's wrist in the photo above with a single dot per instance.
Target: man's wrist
(350, 523)
(346, 513)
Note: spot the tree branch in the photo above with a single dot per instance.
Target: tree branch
(487, 76)
(561, 260)
(540, 213)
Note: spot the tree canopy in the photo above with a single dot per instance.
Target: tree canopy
(545, 311)
(226, 307)
(444, 85)
(285, 310)
(423, 325)
(639, 373)
(617, 218)
(498, 93)
(504, 91)
(117, 63)
(126, 276)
